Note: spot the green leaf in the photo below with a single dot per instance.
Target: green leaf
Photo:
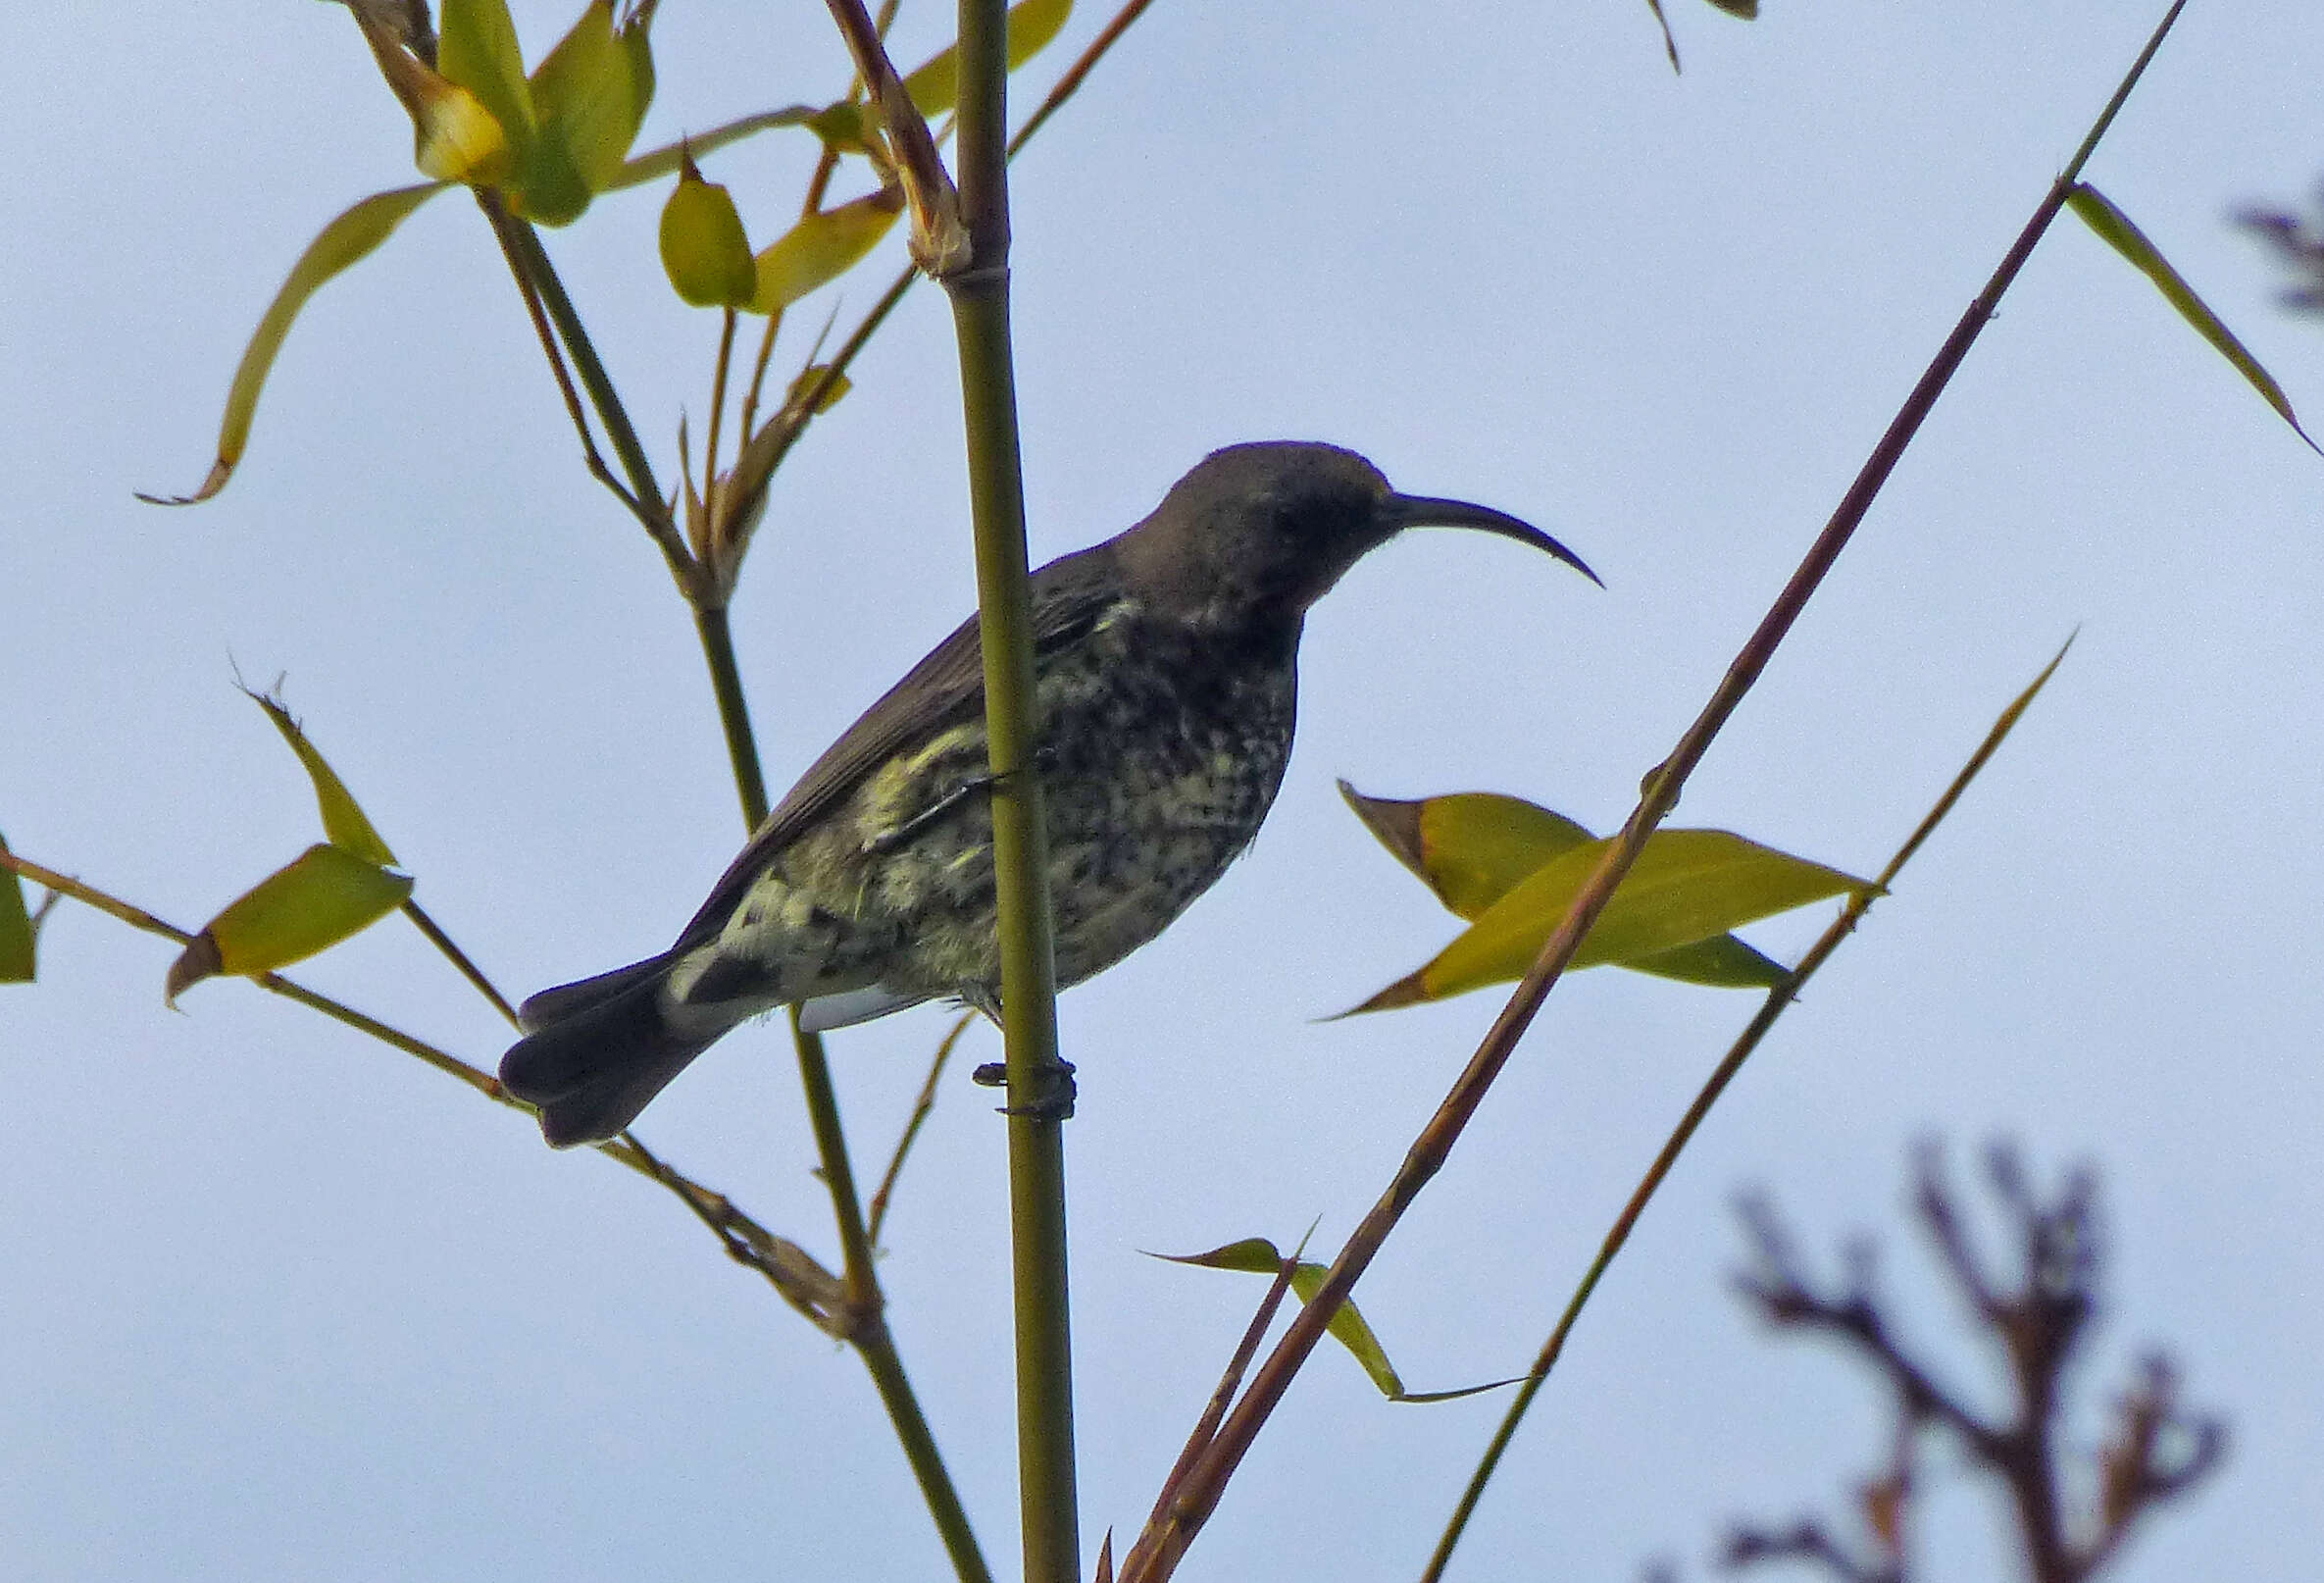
(936, 86)
(476, 49)
(15, 929)
(2114, 228)
(822, 247)
(1747, 10)
(345, 241)
(656, 164)
(704, 251)
(320, 900)
(343, 822)
(589, 96)
(1686, 886)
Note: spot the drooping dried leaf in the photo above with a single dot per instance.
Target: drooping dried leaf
(344, 821)
(322, 898)
(822, 247)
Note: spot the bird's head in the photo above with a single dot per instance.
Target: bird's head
(1261, 532)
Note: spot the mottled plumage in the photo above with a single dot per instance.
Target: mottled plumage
(1166, 663)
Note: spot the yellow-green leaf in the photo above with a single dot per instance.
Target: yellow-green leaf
(476, 48)
(589, 98)
(320, 900)
(1257, 1255)
(1470, 847)
(656, 164)
(1722, 962)
(704, 251)
(343, 822)
(2115, 229)
(1474, 847)
(844, 127)
(809, 379)
(822, 247)
(15, 929)
(936, 86)
(341, 243)
(1686, 886)
(455, 139)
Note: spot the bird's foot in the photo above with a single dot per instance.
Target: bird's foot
(1052, 1099)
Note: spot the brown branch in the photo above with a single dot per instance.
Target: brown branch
(790, 1269)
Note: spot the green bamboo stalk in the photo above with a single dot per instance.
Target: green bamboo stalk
(1039, 1085)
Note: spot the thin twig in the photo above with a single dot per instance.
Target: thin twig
(468, 969)
(1780, 997)
(785, 1266)
(1162, 1528)
(1430, 1149)
(921, 1107)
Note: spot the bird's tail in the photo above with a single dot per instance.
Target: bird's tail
(596, 1051)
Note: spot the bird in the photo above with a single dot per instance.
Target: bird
(1166, 689)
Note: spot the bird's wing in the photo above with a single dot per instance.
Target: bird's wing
(947, 686)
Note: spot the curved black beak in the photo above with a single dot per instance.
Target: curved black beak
(1425, 511)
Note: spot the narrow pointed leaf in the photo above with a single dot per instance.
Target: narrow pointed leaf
(936, 86)
(704, 251)
(1747, 10)
(341, 243)
(589, 98)
(658, 164)
(1256, 1256)
(15, 929)
(318, 901)
(343, 822)
(1348, 1329)
(822, 247)
(1688, 886)
(2115, 229)
(476, 48)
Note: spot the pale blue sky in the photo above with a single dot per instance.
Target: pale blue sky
(277, 1301)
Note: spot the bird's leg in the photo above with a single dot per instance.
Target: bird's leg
(887, 841)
